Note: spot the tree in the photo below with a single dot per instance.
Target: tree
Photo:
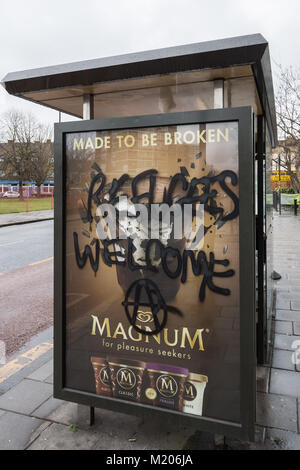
(25, 149)
(288, 122)
(42, 156)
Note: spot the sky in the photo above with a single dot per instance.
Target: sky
(37, 33)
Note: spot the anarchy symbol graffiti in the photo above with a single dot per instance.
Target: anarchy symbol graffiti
(145, 293)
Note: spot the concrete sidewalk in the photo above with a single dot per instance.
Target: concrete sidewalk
(18, 218)
(30, 418)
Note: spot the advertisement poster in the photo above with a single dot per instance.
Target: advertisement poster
(152, 309)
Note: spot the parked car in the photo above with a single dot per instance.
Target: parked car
(11, 195)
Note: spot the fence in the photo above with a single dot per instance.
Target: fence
(286, 202)
(45, 189)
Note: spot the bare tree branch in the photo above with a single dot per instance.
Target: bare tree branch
(26, 151)
(288, 121)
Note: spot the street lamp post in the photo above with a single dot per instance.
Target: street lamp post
(279, 181)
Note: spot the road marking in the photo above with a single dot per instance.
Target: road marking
(42, 261)
(11, 243)
(23, 360)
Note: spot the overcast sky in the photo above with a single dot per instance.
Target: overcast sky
(37, 33)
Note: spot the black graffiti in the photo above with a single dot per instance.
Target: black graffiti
(108, 255)
(173, 263)
(208, 195)
(202, 266)
(147, 289)
(87, 253)
(97, 179)
(199, 190)
(179, 177)
(116, 186)
(151, 174)
(164, 253)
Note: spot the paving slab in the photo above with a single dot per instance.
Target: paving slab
(15, 430)
(262, 378)
(47, 408)
(277, 439)
(291, 295)
(287, 315)
(114, 432)
(61, 437)
(296, 327)
(294, 295)
(32, 366)
(74, 414)
(284, 304)
(285, 342)
(284, 327)
(159, 435)
(276, 411)
(49, 380)
(200, 441)
(42, 373)
(284, 382)
(236, 444)
(295, 305)
(116, 429)
(26, 397)
(282, 360)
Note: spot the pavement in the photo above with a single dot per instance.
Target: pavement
(25, 217)
(30, 418)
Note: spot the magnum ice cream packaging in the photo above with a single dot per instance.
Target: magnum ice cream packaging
(102, 376)
(166, 385)
(193, 394)
(162, 385)
(126, 378)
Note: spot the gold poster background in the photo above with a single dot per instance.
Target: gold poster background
(101, 294)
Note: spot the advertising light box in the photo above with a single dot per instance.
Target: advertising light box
(154, 267)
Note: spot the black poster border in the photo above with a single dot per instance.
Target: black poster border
(244, 117)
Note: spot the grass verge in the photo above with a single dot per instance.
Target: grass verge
(8, 206)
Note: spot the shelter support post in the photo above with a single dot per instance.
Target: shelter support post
(219, 93)
(88, 107)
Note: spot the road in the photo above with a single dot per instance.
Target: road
(21, 245)
(26, 282)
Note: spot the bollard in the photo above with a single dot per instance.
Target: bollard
(27, 199)
(295, 206)
(275, 200)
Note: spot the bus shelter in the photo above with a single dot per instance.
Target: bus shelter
(163, 322)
